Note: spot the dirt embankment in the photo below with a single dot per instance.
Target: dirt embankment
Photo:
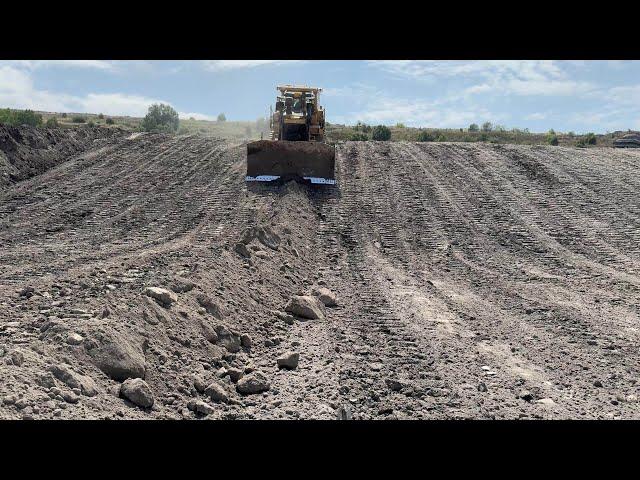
(28, 151)
(470, 281)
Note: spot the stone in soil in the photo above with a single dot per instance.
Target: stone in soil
(306, 306)
(228, 338)
(326, 296)
(288, 360)
(255, 382)
(137, 391)
(116, 356)
(200, 407)
(210, 305)
(217, 393)
(161, 295)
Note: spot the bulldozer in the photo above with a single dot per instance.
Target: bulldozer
(296, 148)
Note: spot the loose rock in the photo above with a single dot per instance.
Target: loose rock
(252, 383)
(116, 356)
(289, 360)
(217, 393)
(163, 296)
(137, 391)
(210, 305)
(326, 296)
(305, 306)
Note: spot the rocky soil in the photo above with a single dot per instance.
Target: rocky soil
(140, 277)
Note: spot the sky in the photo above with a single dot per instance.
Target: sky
(579, 96)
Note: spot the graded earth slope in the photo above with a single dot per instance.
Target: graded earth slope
(472, 281)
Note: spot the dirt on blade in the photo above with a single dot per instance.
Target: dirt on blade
(141, 278)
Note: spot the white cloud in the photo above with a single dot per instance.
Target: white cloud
(18, 91)
(628, 94)
(35, 64)
(499, 77)
(197, 116)
(226, 65)
(375, 106)
(536, 116)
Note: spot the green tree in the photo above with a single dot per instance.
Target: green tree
(473, 127)
(487, 127)
(590, 139)
(222, 117)
(160, 118)
(78, 119)
(381, 133)
(20, 117)
(109, 121)
(400, 125)
(101, 116)
(552, 139)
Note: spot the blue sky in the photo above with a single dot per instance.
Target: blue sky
(581, 96)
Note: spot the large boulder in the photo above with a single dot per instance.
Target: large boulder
(137, 391)
(161, 295)
(305, 306)
(115, 355)
(326, 296)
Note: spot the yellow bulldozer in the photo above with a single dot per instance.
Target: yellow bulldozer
(296, 148)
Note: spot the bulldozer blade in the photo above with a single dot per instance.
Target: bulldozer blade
(269, 160)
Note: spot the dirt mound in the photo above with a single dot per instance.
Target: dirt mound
(27, 151)
(454, 281)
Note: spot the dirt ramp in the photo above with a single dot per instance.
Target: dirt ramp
(27, 151)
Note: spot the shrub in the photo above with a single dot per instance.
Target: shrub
(552, 131)
(572, 134)
(473, 127)
(109, 121)
(91, 123)
(64, 115)
(425, 136)
(160, 118)
(590, 139)
(400, 125)
(581, 143)
(484, 137)
(52, 123)
(487, 127)
(101, 116)
(20, 117)
(359, 137)
(441, 138)
(552, 139)
(381, 133)
(78, 119)
(222, 117)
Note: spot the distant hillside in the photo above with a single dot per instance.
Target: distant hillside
(253, 130)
